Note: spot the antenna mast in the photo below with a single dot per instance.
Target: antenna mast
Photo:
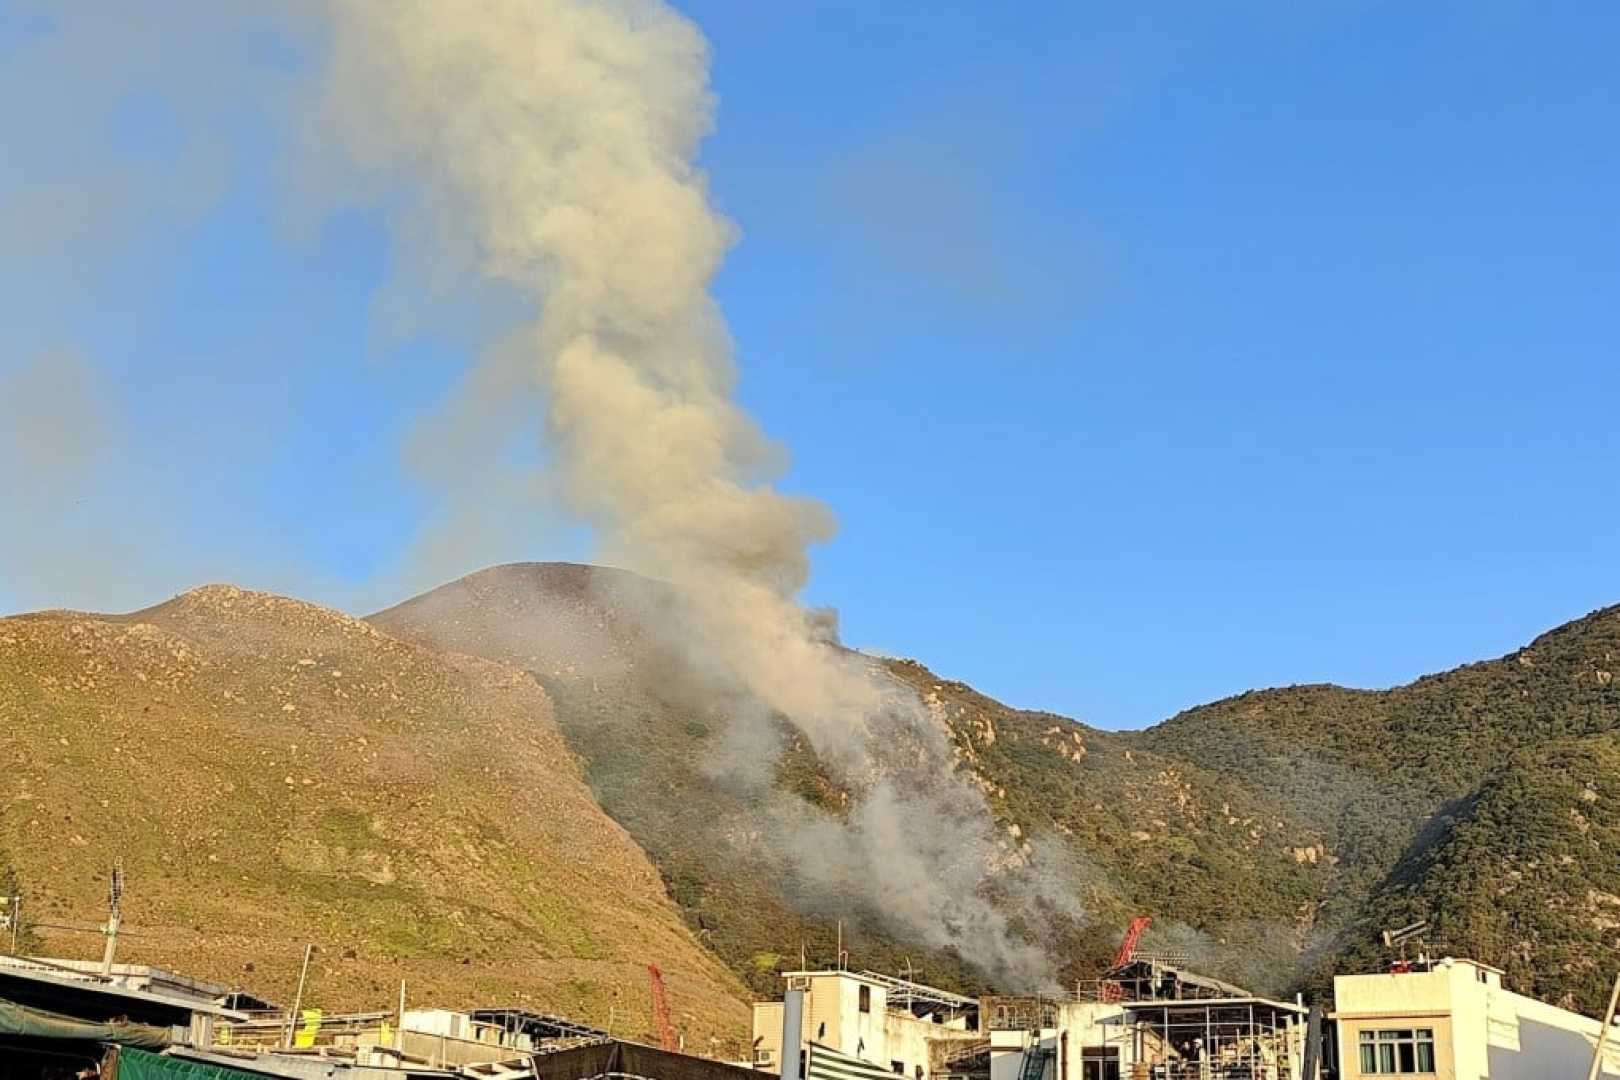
(115, 898)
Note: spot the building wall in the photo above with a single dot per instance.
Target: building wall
(1008, 1049)
(768, 1035)
(1481, 1030)
(1092, 1024)
(834, 1001)
(877, 1036)
(906, 1040)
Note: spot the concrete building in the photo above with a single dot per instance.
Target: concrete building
(904, 1027)
(1453, 1019)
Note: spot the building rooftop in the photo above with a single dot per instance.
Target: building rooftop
(44, 984)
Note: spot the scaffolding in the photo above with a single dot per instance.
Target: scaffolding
(1215, 1039)
(918, 999)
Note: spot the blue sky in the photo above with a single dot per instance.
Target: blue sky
(1146, 353)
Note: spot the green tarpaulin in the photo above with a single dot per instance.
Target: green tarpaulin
(27, 1022)
(613, 1059)
(139, 1065)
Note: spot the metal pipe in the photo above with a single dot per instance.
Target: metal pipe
(792, 1034)
(298, 999)
(1603, 1033)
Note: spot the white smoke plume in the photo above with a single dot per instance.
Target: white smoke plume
(545, 151)
(562, 136)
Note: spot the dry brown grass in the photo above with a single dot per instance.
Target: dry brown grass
(272, 772)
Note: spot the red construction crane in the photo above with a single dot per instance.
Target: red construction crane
(1111, 990)
(660, 1004)
(1133, 934)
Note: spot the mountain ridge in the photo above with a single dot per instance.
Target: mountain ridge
(271, 772)
(1271, 833)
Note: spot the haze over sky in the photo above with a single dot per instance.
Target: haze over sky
(1147, 353)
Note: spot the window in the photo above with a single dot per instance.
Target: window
(1099, 1063)
(866, 999)
(898, 1068)
(1397, 1051)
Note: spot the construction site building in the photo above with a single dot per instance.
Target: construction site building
(1454, 1018)
(1147, 1021)
(903, 1027)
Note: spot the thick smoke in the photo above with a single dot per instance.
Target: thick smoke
(536, 160)
(562, 135)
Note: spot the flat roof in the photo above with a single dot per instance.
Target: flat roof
(1423, 967)
(856, 975)
(27, 971)
(897, 988)
(1214, 1003)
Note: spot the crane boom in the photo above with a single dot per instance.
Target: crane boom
(1112, 990)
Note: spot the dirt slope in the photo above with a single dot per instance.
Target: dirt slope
(272, 772)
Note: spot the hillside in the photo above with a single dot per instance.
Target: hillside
(1526, 873)
(1271, 834)
(272, 773)
(1386, 775)
(647, 750)
(423, 795)
(1132, 830)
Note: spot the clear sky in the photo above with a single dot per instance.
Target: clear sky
(1147, 353)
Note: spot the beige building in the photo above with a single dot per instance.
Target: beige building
(1453, 1019)
(891, 1023)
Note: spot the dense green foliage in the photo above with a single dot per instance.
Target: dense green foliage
(1452, 773)
(1525, 874)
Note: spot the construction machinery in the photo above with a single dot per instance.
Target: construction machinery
(1111, 990)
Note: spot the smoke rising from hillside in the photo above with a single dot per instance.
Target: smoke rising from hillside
(544, 152)
(563, 135)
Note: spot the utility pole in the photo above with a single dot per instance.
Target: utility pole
(115, 897)
(298, 999)
(1603, 1032)
(16, 920)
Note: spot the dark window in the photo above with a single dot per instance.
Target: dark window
(898, 1068)
(866, 999)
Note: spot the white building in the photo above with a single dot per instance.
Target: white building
(1454, 1020)
(888, 1022)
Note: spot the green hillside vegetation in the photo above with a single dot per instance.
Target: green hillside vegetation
(649, 753)
(1388, 775)
(1145, 832)
(271, 773)
(1525, 873)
